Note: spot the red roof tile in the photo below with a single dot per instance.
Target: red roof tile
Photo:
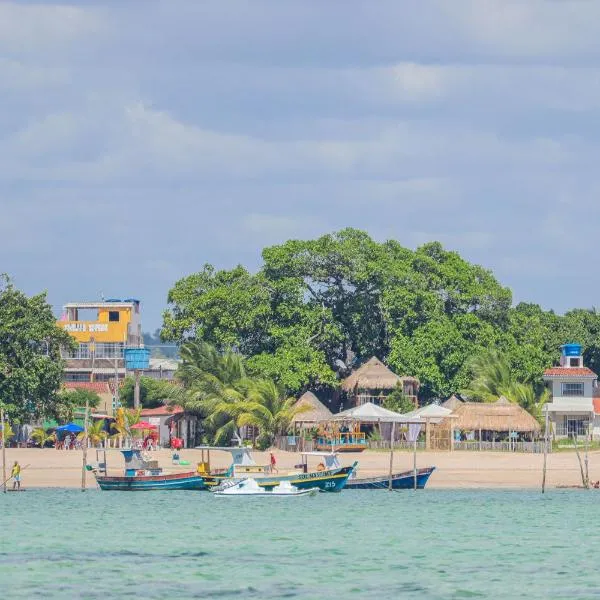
(161, 411)
(100, 387)
(597, 406)
(569, 372)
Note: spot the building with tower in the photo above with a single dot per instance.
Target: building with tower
(572, 385)
(102, 331)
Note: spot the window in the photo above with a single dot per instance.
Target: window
(572, 389)
(109, 350)
(113, 316)
(574, 362)
(77, 377)
(81, 352)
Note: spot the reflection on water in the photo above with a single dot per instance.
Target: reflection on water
(361, 544)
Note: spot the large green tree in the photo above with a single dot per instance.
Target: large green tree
(318, 307)
(30, 361)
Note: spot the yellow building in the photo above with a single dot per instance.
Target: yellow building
(102, 331)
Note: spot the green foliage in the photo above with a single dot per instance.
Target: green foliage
(217, 388)
(398, 401)
(8, 432)
(342, 298)
(95, 433)
(492, 377)
(70, 400)
(153, 392)
(30, 363)
(41, 437)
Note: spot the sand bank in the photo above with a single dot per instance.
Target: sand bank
(59, 468)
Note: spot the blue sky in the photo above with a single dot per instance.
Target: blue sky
(141, 139)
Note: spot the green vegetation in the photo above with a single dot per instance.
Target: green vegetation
(71, 400)
(317, 306)
(216, 386)
(95, 433)
(492, 377)
(30, 363)
(41, 437)
(398, 401)
(153, 392)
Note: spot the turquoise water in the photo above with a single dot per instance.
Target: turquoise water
(362, 544)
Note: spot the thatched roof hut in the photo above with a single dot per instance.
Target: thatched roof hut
(498, 416)
(452, 403)
(315, 411)
(373, 375)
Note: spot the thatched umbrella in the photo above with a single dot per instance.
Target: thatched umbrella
(452, 403)
(314, 411)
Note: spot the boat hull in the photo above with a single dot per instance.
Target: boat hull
(400, 481)
(175, 481)
(332, 480)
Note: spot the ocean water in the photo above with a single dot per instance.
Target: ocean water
(357, 544)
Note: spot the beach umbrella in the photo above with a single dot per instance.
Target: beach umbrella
(143, 425)
(70, 428)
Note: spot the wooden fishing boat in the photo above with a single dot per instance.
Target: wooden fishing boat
(144, 475)
(400, 481)
(244, 466)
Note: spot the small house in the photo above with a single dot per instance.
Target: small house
(172, 421)
(571, 384)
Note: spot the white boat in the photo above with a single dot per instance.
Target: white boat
(250, 487)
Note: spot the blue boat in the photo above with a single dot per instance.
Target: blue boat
(400, 481)
(146, 475)
(326, 479)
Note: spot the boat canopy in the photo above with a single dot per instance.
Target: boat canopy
(239, 456)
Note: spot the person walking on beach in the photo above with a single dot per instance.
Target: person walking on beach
(273, 463)
(16, 475)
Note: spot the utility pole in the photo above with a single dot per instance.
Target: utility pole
(85, 444)
(545, 451)
(136, 390)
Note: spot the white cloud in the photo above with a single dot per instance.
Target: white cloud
(42, 30)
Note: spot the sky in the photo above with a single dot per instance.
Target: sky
(141, 139)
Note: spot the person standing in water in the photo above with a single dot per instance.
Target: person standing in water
(16, 475)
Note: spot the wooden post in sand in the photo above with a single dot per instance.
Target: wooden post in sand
(85, 444)
(3, 451)
(392, 454)
(415, 462)
(545, 452)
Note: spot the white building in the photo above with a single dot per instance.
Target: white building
(571, 409)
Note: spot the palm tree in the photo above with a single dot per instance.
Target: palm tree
(95, 433)
(491, 378)
(267, 409)
(8, 432)
(213, 384)
(125, 420)
(40, 436)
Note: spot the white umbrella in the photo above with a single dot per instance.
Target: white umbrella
(372, 413)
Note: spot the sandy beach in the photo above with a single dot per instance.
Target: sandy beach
(59, 468)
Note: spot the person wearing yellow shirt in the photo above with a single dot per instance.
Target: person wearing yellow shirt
(16, 475)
